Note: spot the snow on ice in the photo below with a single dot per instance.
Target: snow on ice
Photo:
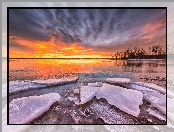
(24, 110)
(127, 100)
(118, 80)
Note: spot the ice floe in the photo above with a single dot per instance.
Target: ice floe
(152, 86)
(24, 110)
(157, 99)
(54, 82)
(118, 80)
(127, 100)
(87, 93)
(18, 86)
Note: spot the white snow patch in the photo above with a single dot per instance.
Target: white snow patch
(170, 109)
(87, 93)
(72, 99)
(24, 110)
(127, 100)
(152, 86)
(54, 82)
(109, 115)
(118, 80)
(149, 120)
(18, 86)
(76, 90)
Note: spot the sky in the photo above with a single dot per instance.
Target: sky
(91, 33)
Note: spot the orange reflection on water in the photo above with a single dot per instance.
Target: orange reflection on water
(44, 68)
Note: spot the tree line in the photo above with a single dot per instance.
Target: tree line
(155, 51)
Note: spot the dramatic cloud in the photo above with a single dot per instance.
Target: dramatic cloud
(92, 30)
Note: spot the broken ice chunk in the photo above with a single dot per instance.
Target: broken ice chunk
(18, 86)
(54, 82)
(152, 86)
(87, 93)
(157, 99)
(24, 110)
(127, 100)
(118, 80)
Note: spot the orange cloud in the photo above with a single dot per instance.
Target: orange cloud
(50, 50)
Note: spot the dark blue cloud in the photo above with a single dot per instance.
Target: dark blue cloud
(87, 27)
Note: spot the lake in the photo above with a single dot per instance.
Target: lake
(33, 69)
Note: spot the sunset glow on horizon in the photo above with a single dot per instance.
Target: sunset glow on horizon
(83, 33)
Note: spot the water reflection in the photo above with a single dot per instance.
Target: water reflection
(35, 68)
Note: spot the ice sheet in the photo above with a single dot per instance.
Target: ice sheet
(24, 110)
(87, 93)
(127, 100)
(118, 80)
(152, 86)
(137, 87)
(18, 86)
(54, 82)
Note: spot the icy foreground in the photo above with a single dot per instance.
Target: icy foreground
(152, 86)
(87, 93)
(157, 99)
(54, 82)
(16, 86)
(118, 80)
(24, 110)
(127, 100)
